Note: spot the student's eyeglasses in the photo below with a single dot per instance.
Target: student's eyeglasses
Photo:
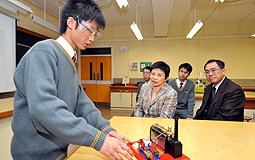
(93, 33)
(185, 72)
(146, 73)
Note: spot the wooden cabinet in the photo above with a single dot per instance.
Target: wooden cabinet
(123, 97)
(120, 99)
(133, 99)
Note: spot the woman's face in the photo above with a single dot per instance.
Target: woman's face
(157, 77)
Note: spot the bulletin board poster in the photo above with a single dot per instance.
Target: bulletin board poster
(144, 64)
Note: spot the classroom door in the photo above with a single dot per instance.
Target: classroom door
(96, 77)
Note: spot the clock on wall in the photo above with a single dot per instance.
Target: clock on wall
(123, 48)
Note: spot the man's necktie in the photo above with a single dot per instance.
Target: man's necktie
(213, 92)
(207, 107)
(74, 57)
(181, 85)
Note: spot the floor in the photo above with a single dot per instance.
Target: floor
(107, 113)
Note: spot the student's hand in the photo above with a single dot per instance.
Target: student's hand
(115, 134)
(114, 144)
(190, 118)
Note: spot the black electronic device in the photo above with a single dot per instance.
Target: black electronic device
(175, 144)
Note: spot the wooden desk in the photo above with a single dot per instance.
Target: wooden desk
(6, 107)
(201, 139)
(250, 99)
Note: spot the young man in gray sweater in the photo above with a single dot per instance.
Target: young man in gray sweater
(51, 110)
(186, 92)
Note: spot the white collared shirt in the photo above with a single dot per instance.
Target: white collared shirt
(67, 47)
(178, 82)
(147, 82)
(218, 85)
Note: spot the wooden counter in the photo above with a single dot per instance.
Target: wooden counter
(6, 107)
(199, 95)
(132, 89)
(201, 139)
(249, 89)
(250, 99)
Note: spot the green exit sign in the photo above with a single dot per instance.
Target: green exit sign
(144, 64)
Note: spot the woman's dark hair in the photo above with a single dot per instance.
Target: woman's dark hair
(81, 10)
(220, 63)
(163, 66)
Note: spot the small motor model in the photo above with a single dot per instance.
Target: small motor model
(161, 137)
(163, 144)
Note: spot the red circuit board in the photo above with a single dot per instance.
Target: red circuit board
(140, 156)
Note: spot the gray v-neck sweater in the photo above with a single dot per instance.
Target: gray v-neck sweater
(186, 96)
(51, 109)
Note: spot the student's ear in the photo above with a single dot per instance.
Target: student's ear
(71, 23)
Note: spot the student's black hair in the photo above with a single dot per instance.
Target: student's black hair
(186, 66)
(220, 63)
(86, 10)
(163, 66)
(147, 67)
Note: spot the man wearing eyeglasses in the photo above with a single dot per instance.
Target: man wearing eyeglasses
(223, 99)
(146, 77)
(51, 110)
(185, 90)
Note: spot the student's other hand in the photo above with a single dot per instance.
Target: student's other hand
(114, 145)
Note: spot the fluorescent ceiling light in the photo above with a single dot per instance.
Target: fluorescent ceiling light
(9, 14)
(253, 35)
(194, 30)
(13, 6)
(136, 31)
(44, 23)
(122, 3)
(8, 7)
(20, 6)
(220, 1)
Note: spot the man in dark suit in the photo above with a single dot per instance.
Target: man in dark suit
(146, 77)
(223, 99)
